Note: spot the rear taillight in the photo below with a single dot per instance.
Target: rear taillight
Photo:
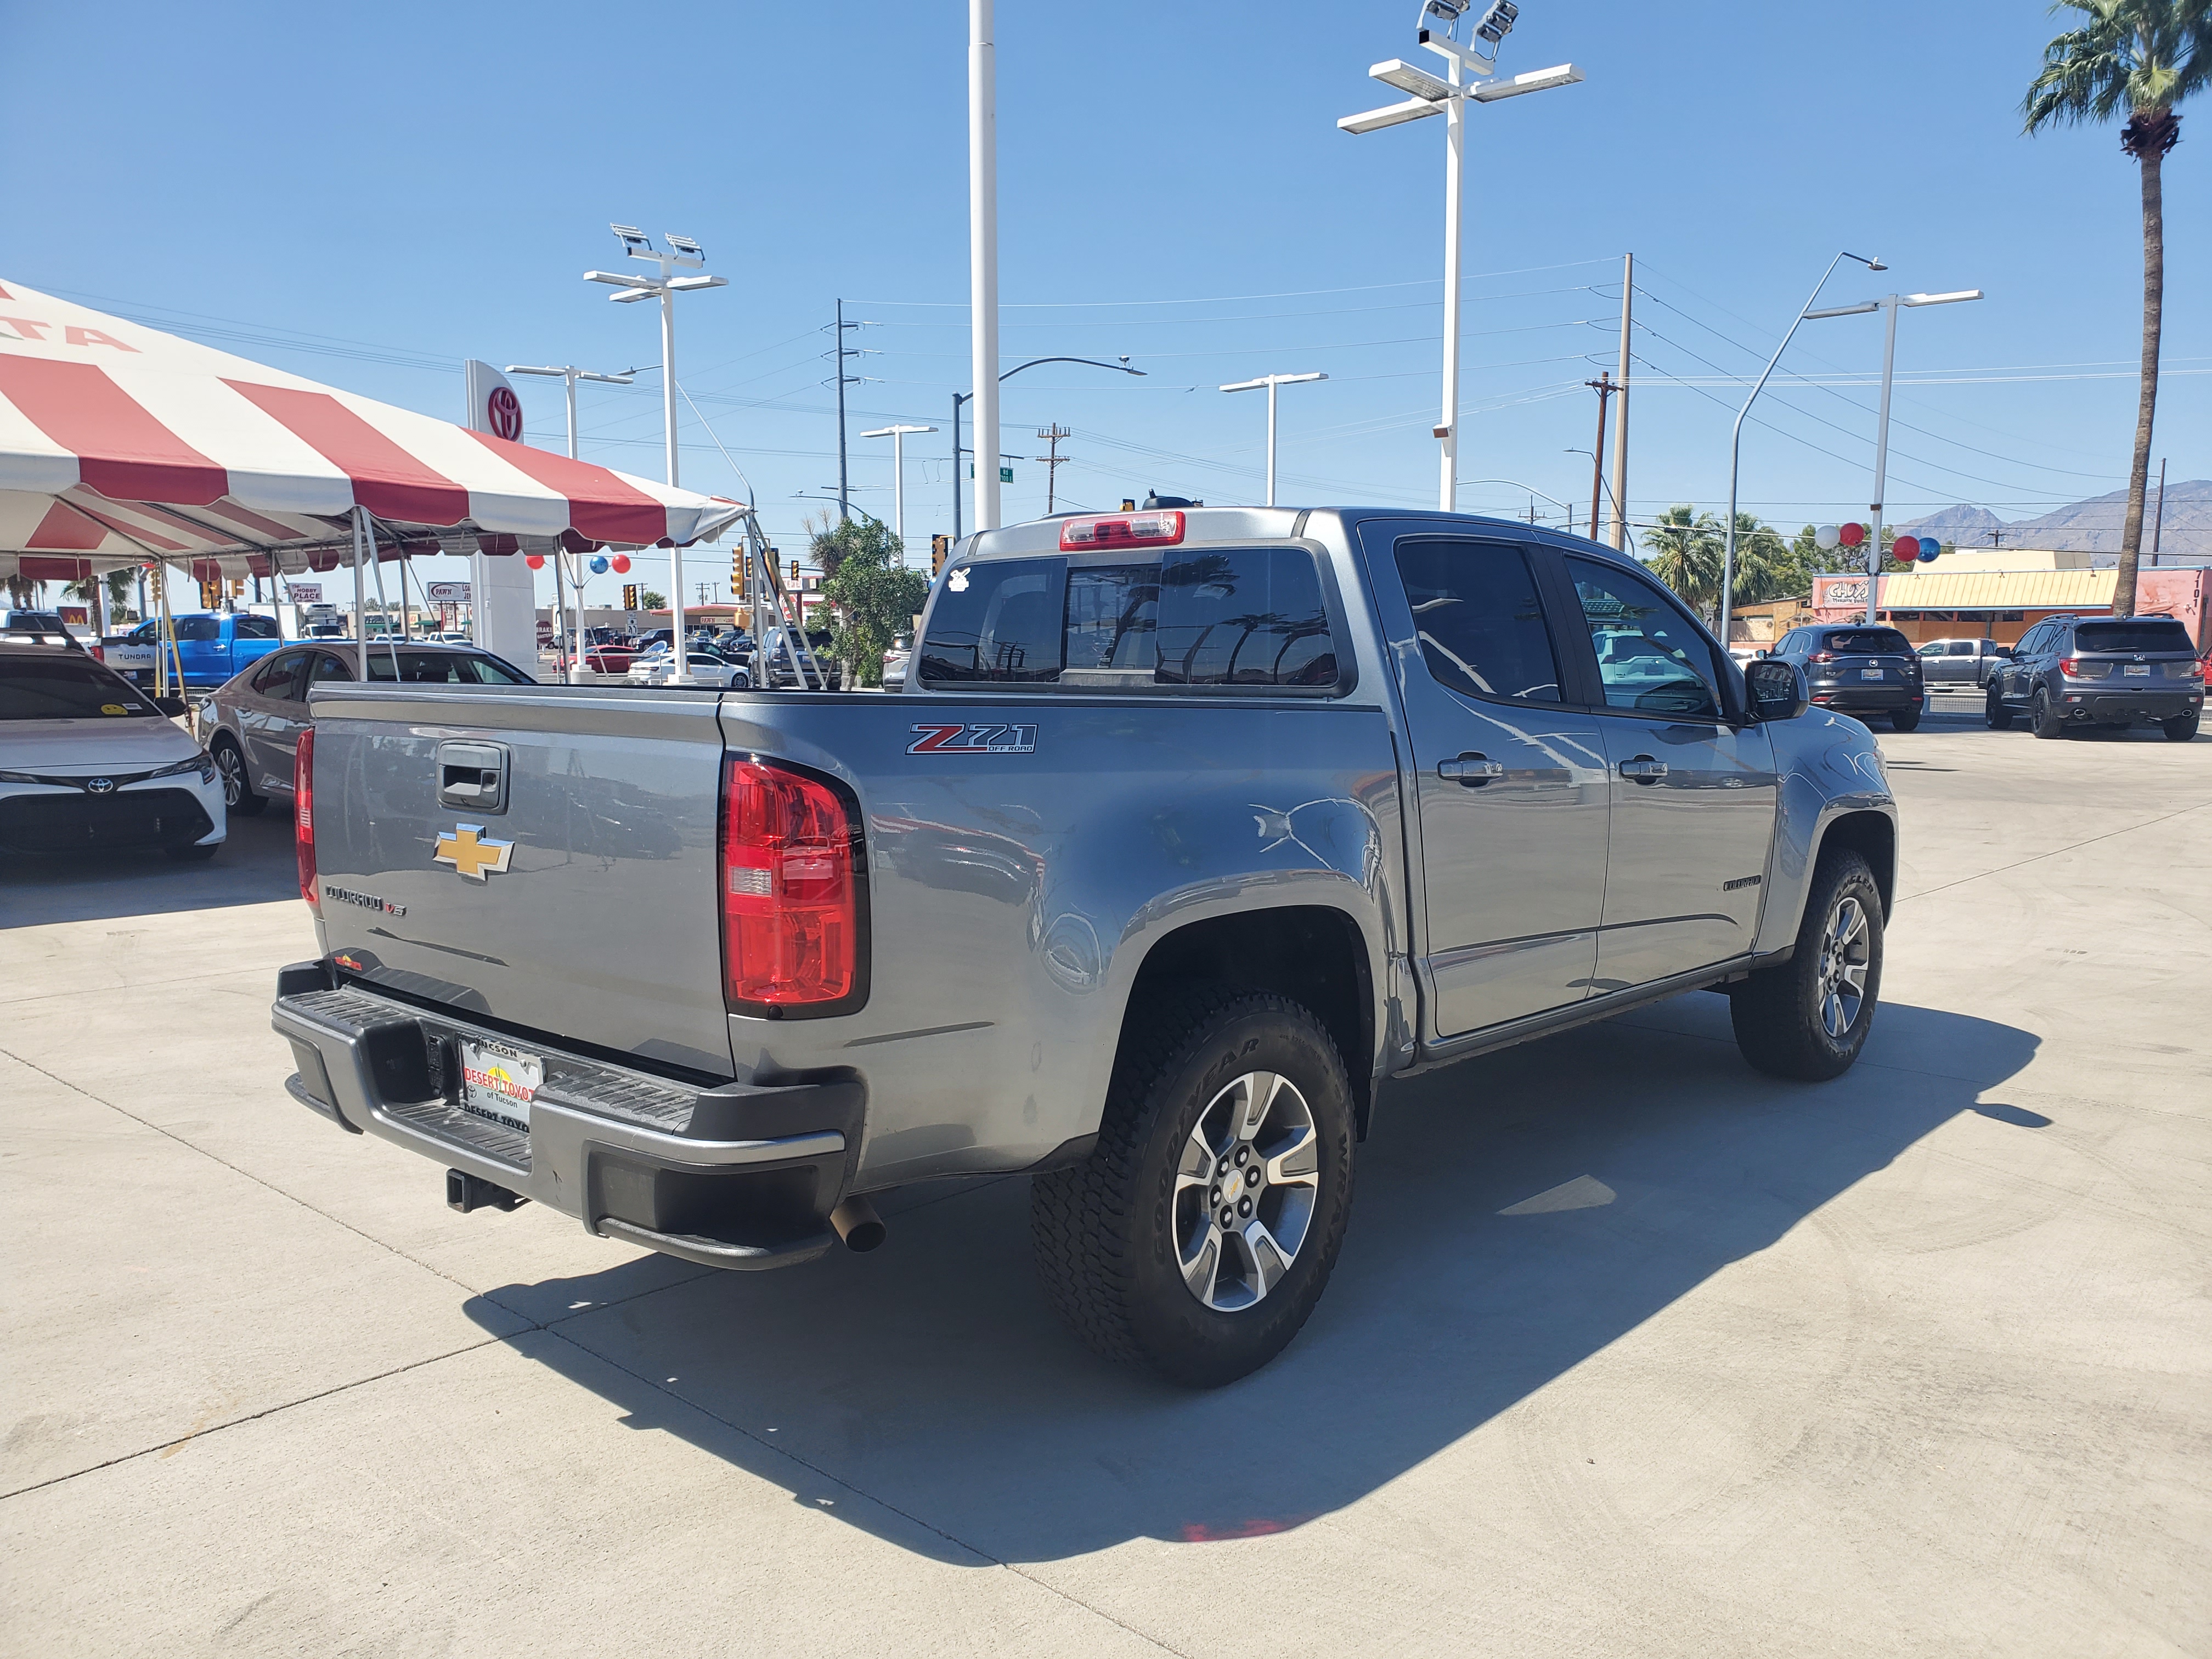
(303, 816)
(1822, 656)
(791, 895)
(1124, 530)
(2073, 668)
(99, 652)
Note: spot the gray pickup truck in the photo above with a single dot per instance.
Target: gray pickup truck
(1192, 835)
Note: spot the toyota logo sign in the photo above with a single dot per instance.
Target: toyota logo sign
(503, 411)
(100, 786)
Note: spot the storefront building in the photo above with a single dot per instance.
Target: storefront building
(2000, 594)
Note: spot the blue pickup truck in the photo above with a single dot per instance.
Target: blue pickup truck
(211, 646)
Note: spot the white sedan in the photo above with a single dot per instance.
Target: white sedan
(702, 668)
(90, 763)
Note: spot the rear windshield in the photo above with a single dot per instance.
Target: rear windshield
(40, 686)
(1221, 617)
(1871, 641)
(2163, 635)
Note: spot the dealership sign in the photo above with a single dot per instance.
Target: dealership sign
(446, 593)
(304, 592)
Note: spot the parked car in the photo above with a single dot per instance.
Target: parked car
(790, 661)
(90, 763)
(43, 626)
(1198, 834)
(2072, 672)
(252, 723)
(609, 659)
(212, 645)
(895, 663)
(1857, 670)
(1960, 662)
(701, 668)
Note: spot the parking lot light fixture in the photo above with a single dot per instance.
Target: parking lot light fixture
(572, 563)
(684, 252)
(1469, 70)
(1272, 382)
(898, 435)
(1889, 304)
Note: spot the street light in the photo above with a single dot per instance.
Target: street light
(1735, 433)
(1448, 98)
(991, 405)
(1890, 303)
(631, 288)
(570, 375)
(1272, 382)
(898, 435)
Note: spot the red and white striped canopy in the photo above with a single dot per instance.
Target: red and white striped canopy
(119, 443)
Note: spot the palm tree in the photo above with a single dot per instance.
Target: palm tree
(2144, 57)
(1683, 549)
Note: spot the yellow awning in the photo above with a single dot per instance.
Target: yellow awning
(1999, 590)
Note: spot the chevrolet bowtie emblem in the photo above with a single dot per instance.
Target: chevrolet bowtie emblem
(468, 851)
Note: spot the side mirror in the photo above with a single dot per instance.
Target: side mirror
(1775, 689)
(172, 707)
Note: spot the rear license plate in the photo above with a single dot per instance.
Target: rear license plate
(1869, 673)
(2139, 668)
(498, 1082)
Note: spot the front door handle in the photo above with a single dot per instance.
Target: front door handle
(1471, 771)
(1644, 769)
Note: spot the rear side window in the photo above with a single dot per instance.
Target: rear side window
(1244, 615)
(198, 627)
(1870, 642)
(2132, 635)
(1961, 648)
(996, 623)
(1478, 618)
(281, 676)
(259, 628)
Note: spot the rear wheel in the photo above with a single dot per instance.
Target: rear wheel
(1905, 719)
(1994, 712)
(238, 796)
(1201, 1230)
(2181, 727)
(2044, 719)
(1808, 1018)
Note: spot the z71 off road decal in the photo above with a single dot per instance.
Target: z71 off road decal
(980, 739)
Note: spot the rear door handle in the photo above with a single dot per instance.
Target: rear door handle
(1644, 769)
(1470, 771)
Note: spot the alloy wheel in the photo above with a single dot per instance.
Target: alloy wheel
(1246, 1187)
(232, 765)
(1846, 949)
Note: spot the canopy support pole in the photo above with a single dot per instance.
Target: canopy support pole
(376, 569)
(360, 595)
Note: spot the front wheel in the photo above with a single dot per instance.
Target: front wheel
(1994, 711)
(1808, 1018)
(238, 796)
(1200, 1233)
(2181, 727)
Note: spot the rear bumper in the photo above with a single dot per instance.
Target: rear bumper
(2104, 701)
(739, 1175)
(1862, 695)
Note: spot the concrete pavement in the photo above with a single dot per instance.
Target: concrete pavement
(1630, 1350)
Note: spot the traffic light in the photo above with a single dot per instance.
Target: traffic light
(738, 574)
(211, 595)
(629, 596)
(940, 548)
(238, 588)
(794, 572)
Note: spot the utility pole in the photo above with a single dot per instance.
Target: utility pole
(1052, 434)
(843, 352)
(1619, 536)
(1604, 387)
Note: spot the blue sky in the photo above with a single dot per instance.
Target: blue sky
(368, 196)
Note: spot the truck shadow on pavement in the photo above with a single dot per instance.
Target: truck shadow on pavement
(1513, 1218)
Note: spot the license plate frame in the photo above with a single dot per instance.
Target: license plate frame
(1869, 673)
(2138, 670)
(498, 1081)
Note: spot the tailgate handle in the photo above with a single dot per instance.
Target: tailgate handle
(472, 777)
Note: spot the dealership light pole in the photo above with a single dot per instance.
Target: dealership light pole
(1272, 382)
(982, 260)
(1890, 304)
(686, 253)
(1735, 433)
(960, 398)
(569, 374)
(898, 435)
(1448, 98)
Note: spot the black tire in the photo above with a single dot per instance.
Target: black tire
(2042, 720)
(198, 853)
(1905, 720)
(1994, 712)
(1778, 1013)
(1106, 1230)
(238, 796)
(2181, 727)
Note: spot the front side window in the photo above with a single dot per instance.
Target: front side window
(64, 686)
(1479, 620)
(1648, 658)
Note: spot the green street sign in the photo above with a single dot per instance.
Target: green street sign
(1006, 475)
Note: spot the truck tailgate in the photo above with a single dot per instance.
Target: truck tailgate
(578, 900)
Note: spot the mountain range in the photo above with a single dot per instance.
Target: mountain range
(2090, 526)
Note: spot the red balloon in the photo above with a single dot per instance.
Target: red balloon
(1851, 535)
(535, 561)
(1904, 549)
(622, 564)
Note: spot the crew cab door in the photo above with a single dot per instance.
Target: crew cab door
(1694, 794)
(1508, 781)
